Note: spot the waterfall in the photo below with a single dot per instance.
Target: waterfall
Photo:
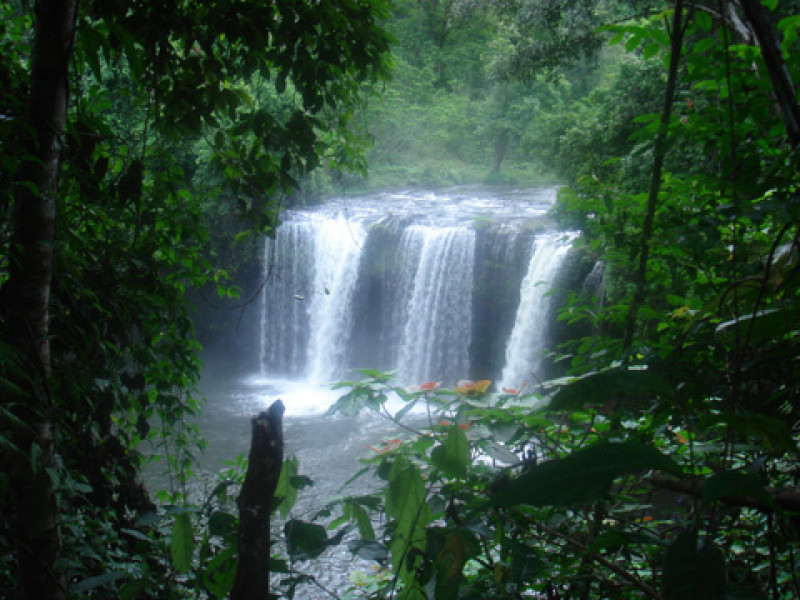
(423, 284)
(284, 320)
(526, 345)
(310, 271)
(436, 334)
(336, 258)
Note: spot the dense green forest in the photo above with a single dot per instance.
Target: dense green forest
(145, 148)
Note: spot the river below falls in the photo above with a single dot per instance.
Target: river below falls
(328, 449)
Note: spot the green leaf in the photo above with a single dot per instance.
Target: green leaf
(774, 433)
(353, 402)
(633, 42)
(452, 457)
(135, 533)
(299, 482)
(222, 524)
(90, 583)
(703, 45)
(304, 540)
(220, 572)
(135, 589)
(764, 325)
(361, 517)
(500, 453)
(703, 20)
(527, 564)
(650, 50)
(355, 476)
(789, 26)
(404, 411)
(422, 443)
(615, 539)
(35, 457)
(598, 388)
(734, 592)
(616, 38)
(220, 492)
(582, 477)
(406, 491)
(693, 570)
(182, 542)
(369, 550)
(450, 550)
(732, 483)
(285, 492)
(406, 504)
(278, 565)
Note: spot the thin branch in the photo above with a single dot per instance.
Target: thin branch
(313, 580)
(384, 412)
(785, 498)
(602, 560)
(677, 31)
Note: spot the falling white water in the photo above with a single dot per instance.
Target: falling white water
(391, 287)
(526, 346)
(284, 308)
(337, 253)
(437, 330)
(262, 340)
(408, 256)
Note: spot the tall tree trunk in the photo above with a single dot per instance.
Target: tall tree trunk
(255, 505)
(501, 141)
(26, 298)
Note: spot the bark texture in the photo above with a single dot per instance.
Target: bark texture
(779, 75)
(26, 297)
(255, 505)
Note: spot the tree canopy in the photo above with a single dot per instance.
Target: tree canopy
(123, 124)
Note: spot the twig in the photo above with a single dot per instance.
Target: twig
(626, 575)
(313, 580)
(785, 498)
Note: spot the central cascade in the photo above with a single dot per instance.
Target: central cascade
(437, 328)
(436, 287)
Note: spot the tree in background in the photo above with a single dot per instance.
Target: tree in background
(28, 406)
(108, 232)
(483, 90)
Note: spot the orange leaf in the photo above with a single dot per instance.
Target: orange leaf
(465, 386)
(430, 385)
(483, 385)
(388, 446)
